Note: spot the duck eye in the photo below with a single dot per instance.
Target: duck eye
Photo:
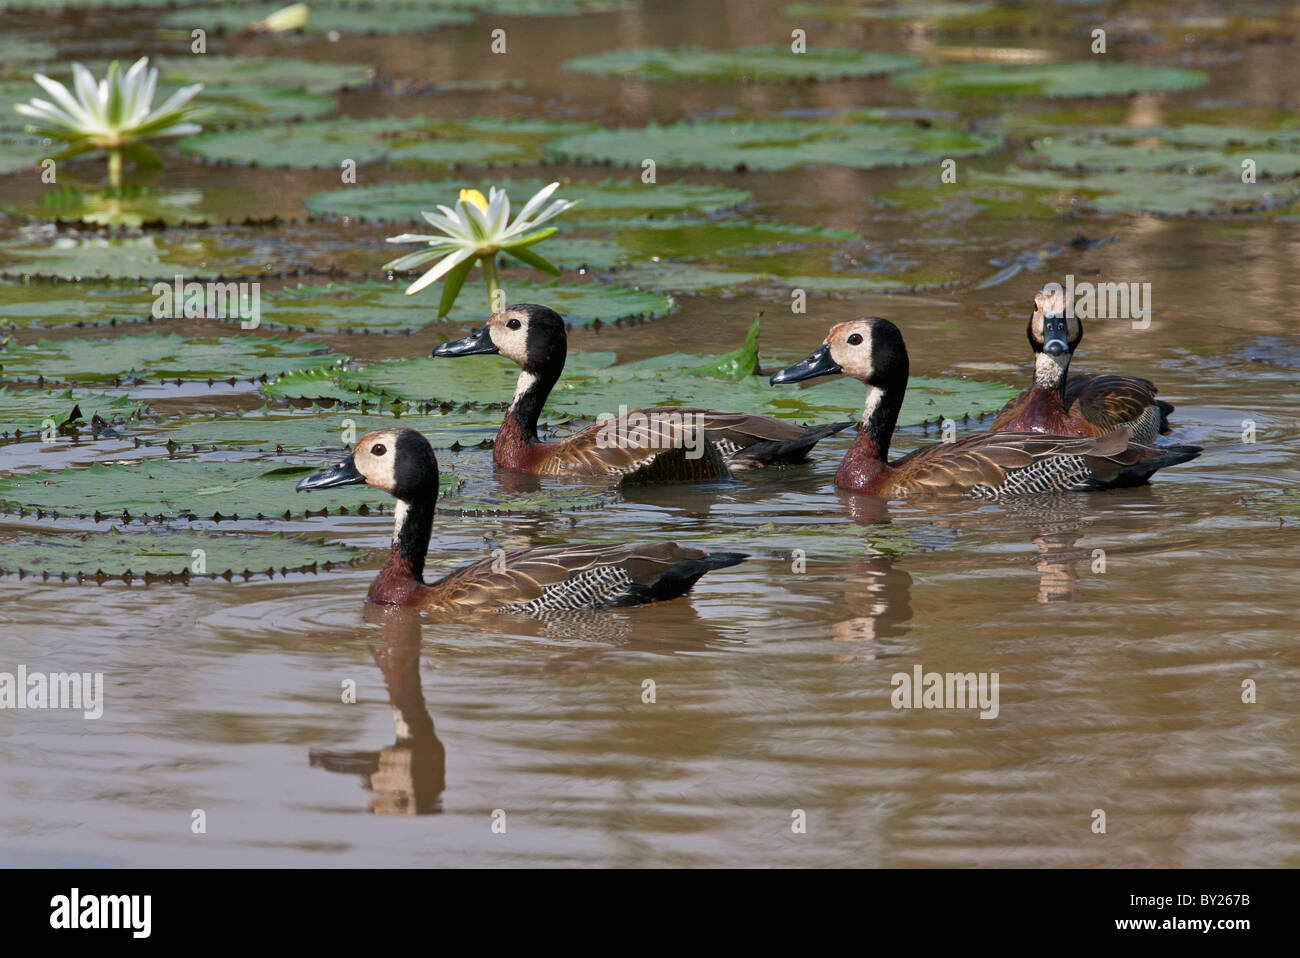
(513, 324)
(855, 339)
(378, 449)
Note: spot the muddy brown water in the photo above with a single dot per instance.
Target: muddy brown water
(1119, 691)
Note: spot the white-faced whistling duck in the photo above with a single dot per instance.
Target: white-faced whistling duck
(533, 581)
(1089, 405)
(658, 443)
(990, 465)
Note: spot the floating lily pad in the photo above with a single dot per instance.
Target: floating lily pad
(684, 239)
(268, 430)
(324, 17)
(772, 144)
(327, 143)
(25, 413)
(584, 252)
(20, 52)
(745, 63)
(315, 76)
(135, 206)
(1085, 78)
(155, 356)
(47, 305)
(320, 386)
(186, 488)
(591, 387)
(385, 307)
(167, 553)
(152, 256)
(402, 202)
(478, 380)
(685, 277)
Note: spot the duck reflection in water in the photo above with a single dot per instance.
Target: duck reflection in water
(407, 777)
(880, 590)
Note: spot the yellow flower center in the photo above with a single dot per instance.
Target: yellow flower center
(474, 197)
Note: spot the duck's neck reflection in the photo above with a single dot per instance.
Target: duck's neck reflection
(409, 776)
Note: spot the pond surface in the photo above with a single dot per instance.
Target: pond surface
(1119, 690)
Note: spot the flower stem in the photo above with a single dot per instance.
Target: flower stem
(115, 169)
(494, 284)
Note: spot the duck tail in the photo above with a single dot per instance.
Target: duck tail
(678, 580)
(1165, 409)
(1142, 470)
(784, 451)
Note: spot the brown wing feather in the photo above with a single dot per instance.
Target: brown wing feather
(986, 458)
(662, 443)
(525, 573)
(1109, 401)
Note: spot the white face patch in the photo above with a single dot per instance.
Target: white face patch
(380, 469)
(510, 343)
(854, 359)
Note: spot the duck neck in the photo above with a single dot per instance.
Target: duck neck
(411, 529)
(869, 455)
(879, 417)
(1050, 372)
(519, 431)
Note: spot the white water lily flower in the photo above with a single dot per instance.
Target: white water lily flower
(116, 114)
(476, 230)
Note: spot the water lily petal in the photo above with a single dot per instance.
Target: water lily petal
(444, 266)
(59, 93)
(535, 202)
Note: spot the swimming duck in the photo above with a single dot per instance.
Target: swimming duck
(656, 443)
(530, 581)
(990, 465)
(1089, 405)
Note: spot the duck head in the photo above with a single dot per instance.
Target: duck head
(398, 461)
(1054, 336)
(531, 336)
(870, 350)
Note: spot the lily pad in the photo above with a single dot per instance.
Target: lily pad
(685, 277)
(745, 63)
(48, 305)
(22, 151)
(268, 430)
(152, 256)
(215, 72)
(402, 202)
(154, 356)
(1282, 504)
(1084, 78)
(477, 380)
(385, 307)
(772, 144)
(905, 10)
(319, 386)
(26, 413)
(327, 143)
(184, 488)
(324, 17)
(166, 553)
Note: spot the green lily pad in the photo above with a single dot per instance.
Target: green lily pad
(327, 143)
(582, 252)
(20, 52)
(49, 305)
(324, 18)
(196, 255)
(385, 307)
(268, 430)
(134, 206)
(25, 413)
(477, 380)
(315, 76)
(684, 239)
(319, 386)
(1085, 78)
(685, 277)
(166, 553)
(591, 387)
(402, 202)
(772, 144)
(185, 488)
(745, 63)
(154, 356)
